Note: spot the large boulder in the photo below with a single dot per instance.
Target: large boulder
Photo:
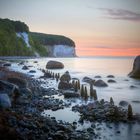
(54, 65)
(11, 89)
(100, 83)
(123, 103)
(5, 101)
(65, 77)
(21, 83)
(64, 85)
(135, 73)
(88, 80)
(70, 94)
(7, 64)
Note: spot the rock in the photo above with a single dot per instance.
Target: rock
(25, 67)
(97, 76)
(100, 83)
(133, 87)
(7, 64)
(110, 76)
(5, 101)
(21, 83)
(111, 81)
(35, 61)
(65, 77)
(54, 65)
(26, 91)
(123, 103)
(64, 85)
(47, 75)
(136, 101)
(70, 94)
(32, 71)
(9, 88)
(88, 80)
(135, 73)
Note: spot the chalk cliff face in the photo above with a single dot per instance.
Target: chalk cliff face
(61, 51)
(17, 40)
(56, 45)
(25, 37)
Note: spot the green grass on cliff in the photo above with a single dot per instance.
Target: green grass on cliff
(11, 45)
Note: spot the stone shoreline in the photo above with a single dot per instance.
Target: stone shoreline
(24, 120)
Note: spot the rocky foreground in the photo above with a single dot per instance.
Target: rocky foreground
(20, 110)
(22, 101)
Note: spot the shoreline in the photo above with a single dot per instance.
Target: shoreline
(31, 105)
(34, 57)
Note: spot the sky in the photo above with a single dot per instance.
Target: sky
(98, 27)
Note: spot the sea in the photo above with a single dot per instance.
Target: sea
(125, 89)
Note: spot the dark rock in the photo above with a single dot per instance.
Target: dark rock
(21, 83)
(135, 73)
(5, 101)
(65, 77)
(97, 76)
(110, 76)
(25, 67)
(26, 91)
(123, 103)
(111, 81)
(32, 71)
(118, 132)
(64, 85)
(88, 80)
(35, 61)
(7, 64)
(100, 83)
(70, 94)
(136, 101)
(133, 87)
(54, 65)
(9, 88)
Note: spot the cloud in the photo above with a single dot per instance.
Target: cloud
(121, 14)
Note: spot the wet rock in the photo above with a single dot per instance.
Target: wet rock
(97, 76)
(65, 77)
(88, 80)
(110, 76)
(70, 94)
(25, 67)
(123, 103)
(135, 73)
(64, 85)
(111, 81)
(9, 88)
(118, 132)
(21, 63)
(35, 61)
(7, 64)
(5, 101)
(100, 83)
(54, 65)
(133, 87)
(26, 91)
(21, 83)
(136, 101)
(32, 71)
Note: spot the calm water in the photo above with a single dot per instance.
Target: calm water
(117, 66)
(80, 67)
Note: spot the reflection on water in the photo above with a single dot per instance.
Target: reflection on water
(121, 90)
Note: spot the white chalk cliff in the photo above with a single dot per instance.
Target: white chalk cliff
(25, 37)
(61, 51)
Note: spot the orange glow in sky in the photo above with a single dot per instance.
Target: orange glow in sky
(98, 27)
